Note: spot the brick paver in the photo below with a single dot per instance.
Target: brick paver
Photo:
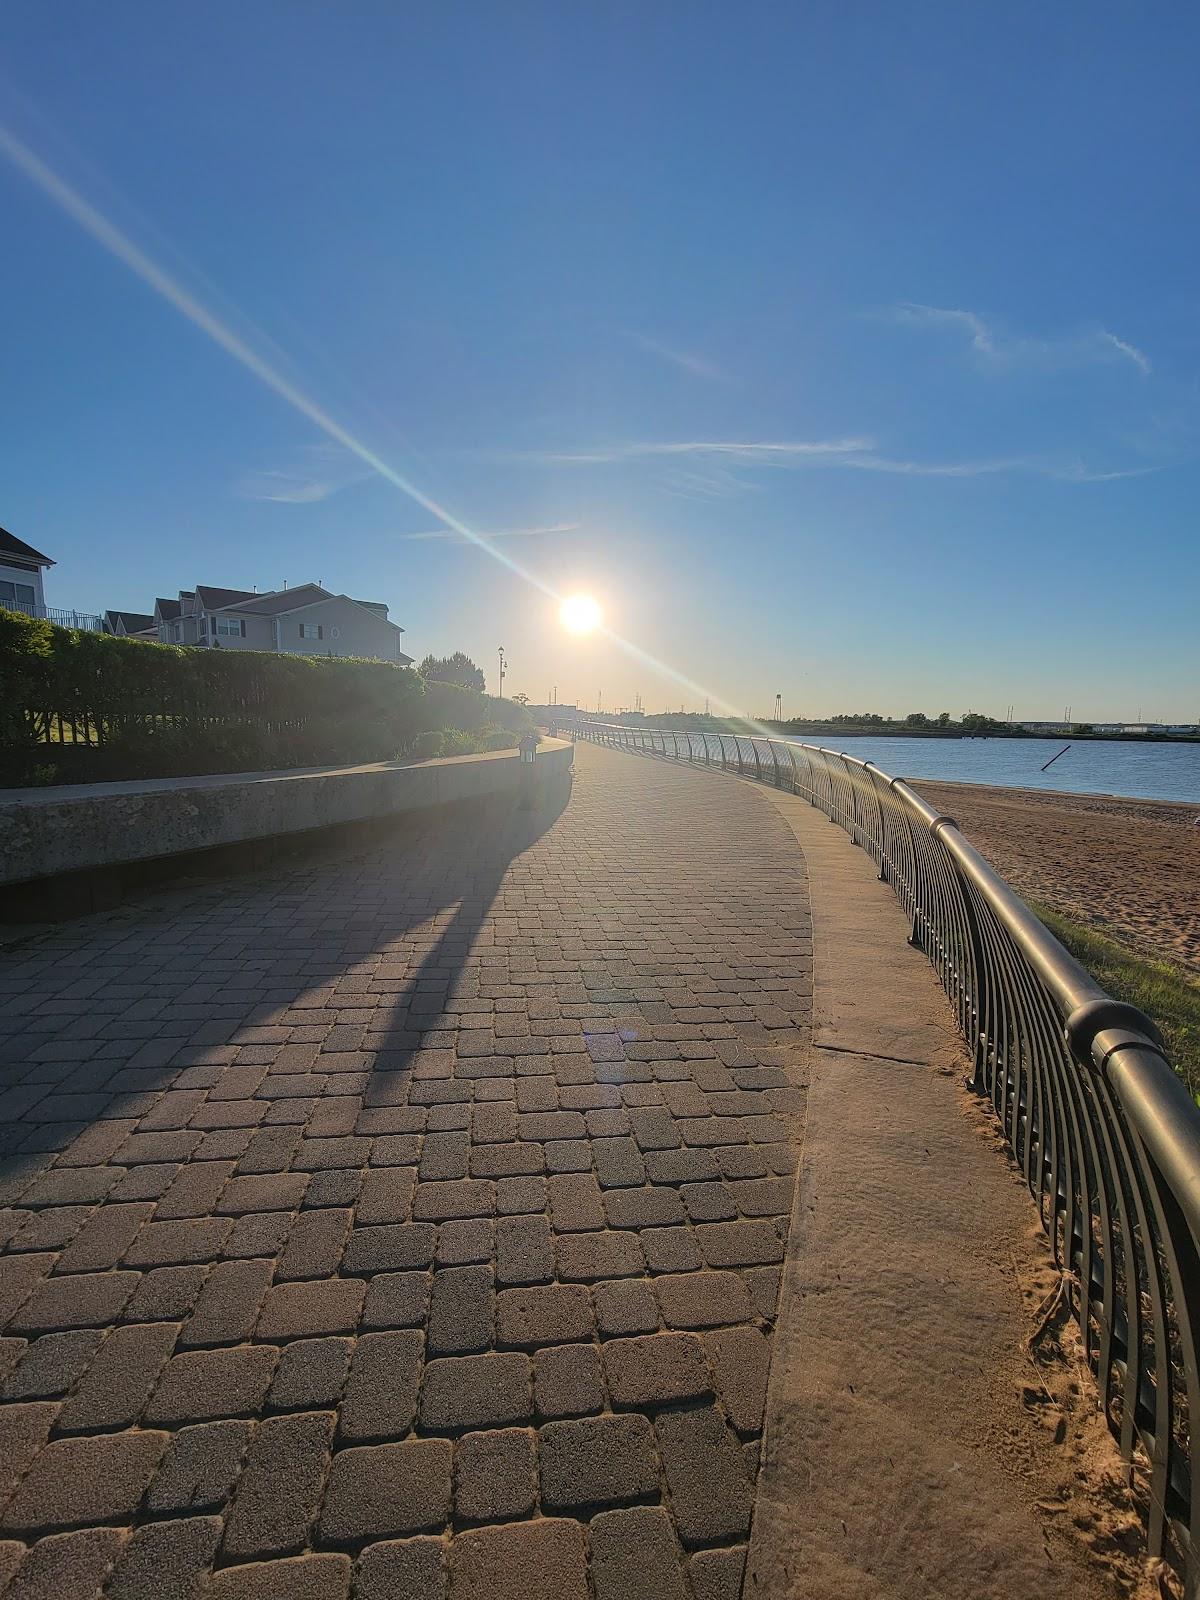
(408, 1220)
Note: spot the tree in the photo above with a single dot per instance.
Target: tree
(520, 699)
(916, 719)
(458, 668)
(943, 719)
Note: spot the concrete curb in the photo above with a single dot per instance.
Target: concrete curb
(899, 1458)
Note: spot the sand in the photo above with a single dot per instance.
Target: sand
(1130, 868)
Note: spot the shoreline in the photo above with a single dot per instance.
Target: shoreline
(884, 731)
(1125, 866)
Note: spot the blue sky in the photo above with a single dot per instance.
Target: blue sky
(848, 352)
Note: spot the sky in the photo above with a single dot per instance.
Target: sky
(844, 352)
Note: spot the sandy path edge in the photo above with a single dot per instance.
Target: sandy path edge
(913, 1449)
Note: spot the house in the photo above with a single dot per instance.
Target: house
(21, 568)
(168, 619)
(308, 620)
(130, 624)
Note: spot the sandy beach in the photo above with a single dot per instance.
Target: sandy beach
(1128, 867)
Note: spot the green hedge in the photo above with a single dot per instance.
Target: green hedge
(86, 707)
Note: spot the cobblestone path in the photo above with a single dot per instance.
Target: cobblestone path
(408, 1222)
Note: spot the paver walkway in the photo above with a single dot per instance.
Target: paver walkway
(409, 1220)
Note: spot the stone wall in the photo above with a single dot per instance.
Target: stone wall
(45, 833)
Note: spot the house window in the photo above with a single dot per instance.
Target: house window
(19, 596)
(311, 630)
(231, 627)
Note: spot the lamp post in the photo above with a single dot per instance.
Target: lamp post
(500, 653)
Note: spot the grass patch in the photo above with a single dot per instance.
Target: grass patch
(1165, 992)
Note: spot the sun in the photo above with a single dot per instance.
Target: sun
(580, 614)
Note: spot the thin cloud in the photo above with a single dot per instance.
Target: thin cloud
(1060, 470)
(998, 350)
(977, 331)
(760, 452)
(715, 469)
(321, 470)
(683, 359)
(285, 489)
(498, 533)
(707, 482)
(1139, 359)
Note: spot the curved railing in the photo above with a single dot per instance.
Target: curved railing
(1106, 1134)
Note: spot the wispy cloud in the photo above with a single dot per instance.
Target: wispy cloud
(685, 360)
(1140, 361)
(320, 470)
(997, 349)
(716, 468)
(498, 533)
(975, 328)
(762, 452)
(1061, 469)
(285, 488)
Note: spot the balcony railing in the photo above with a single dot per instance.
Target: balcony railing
(1107, 1137)
(87, 620)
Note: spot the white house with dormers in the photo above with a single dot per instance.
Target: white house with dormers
(21, 569)
(308, 620)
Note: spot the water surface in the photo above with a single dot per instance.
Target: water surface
(1090, 766)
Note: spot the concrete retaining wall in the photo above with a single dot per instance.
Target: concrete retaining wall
(45, 833)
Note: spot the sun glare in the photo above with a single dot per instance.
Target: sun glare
(580, 614)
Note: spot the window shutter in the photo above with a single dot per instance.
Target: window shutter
(320, 631)
(242, 625)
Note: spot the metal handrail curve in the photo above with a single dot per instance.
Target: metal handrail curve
(1106, 1134)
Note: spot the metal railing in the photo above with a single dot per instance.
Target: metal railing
(87, 620)
(1106, 1134)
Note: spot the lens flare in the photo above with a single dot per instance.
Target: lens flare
(580, 614)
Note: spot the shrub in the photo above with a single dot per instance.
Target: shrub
(450, 705)
(511, 715)
(94, 707)
(427, 745)
(457, 742)
(85, 707)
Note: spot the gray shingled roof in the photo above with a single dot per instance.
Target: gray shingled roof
(11, 545)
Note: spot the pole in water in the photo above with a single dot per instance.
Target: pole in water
(1053, 759)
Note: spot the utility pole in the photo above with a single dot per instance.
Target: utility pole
(778, 708)
(500, 653)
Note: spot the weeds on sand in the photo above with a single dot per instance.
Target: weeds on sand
(1165, 992)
